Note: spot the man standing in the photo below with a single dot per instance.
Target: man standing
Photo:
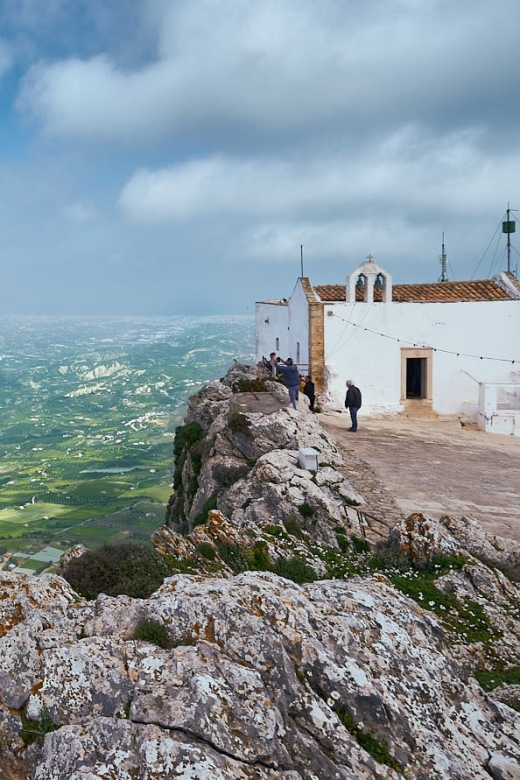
(292, 379)
(353, 403)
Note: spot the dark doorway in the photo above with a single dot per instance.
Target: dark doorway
(416, 377)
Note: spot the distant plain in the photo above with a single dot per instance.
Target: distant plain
(88, 411)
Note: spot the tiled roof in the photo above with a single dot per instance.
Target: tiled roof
(446, 292)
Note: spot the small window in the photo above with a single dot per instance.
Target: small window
(297, 351)
(277, 344)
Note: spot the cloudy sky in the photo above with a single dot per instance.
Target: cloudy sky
(171, 156)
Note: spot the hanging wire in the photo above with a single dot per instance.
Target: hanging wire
(453, 277)
(435, 349)
(340, 344)
(486, 249)
(497, 258)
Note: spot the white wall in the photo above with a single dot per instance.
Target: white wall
(483, 328)
(271, 322)
(298, 327)
(287, 322)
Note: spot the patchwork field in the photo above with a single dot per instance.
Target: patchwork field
(88, 411)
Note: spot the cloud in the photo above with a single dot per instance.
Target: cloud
(411, 172)
(286, 68)
(80, 211)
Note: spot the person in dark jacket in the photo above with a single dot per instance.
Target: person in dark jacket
(353, 403)
(308, 390)
(292, 378)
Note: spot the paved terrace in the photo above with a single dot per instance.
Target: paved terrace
(402, 465)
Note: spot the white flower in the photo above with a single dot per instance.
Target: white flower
(334, 695)
(431, 603)
(330, 701)
(360, 724)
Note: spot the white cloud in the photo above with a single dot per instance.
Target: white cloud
(409, 172)
(346, 241)
(284, 67)
(80, 211)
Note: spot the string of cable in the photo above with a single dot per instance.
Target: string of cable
(422, 346)
(496, 235)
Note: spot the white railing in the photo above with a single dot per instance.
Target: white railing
(499, 408)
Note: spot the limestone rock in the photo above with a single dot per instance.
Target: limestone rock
(264, 679)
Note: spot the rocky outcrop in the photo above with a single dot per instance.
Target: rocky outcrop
(263, 679)
(238, 452)
(370, 671)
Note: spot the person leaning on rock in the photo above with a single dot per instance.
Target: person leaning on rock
(353, 403)
(291, 375)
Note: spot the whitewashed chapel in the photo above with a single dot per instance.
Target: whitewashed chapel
(449, 347)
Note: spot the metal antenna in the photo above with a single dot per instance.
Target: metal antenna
(301, 259)
(444, 262)
(508, 227)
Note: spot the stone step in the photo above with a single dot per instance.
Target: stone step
(419, 409)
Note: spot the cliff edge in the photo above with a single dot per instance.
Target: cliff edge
(291, 649)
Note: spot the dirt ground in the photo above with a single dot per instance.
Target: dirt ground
(402, 465)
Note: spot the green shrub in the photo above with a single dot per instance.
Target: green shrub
(152, 631)
(497, 677)
(35, 730)
(232, 555)
(202, 516)
(135, 570)
(342, 541)
(193, 486)
(275, 530)
(257, 557)
(295, 569)
(388, 555)
(207, 550)
(377, 748)
(360, 545)
(293, 527)
(185, 437)
(306, 510)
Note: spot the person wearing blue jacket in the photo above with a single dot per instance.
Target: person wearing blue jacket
(292, 377)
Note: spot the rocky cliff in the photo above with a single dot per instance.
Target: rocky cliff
(295, 649)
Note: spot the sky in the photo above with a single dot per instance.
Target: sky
(163, 157)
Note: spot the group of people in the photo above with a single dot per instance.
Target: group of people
(296, 383)
(292, 377)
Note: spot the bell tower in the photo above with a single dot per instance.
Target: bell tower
(368, 277)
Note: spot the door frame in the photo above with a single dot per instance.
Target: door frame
(418, 352)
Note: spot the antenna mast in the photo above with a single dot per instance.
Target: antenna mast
(444, 263)
(509, 226)
(301, 259)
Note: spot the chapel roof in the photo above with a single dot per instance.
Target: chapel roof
(435, 292)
